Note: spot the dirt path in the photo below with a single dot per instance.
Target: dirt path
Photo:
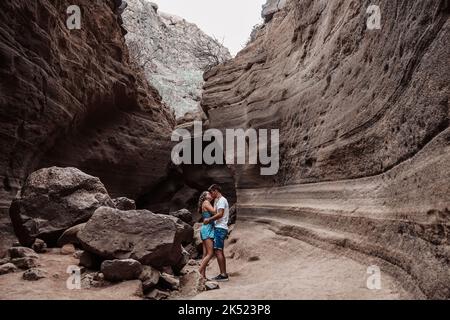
(264, 265)
(261, 263)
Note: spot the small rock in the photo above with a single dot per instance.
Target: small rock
(192, 262)
(149, 277)
(68, 249)
(93, 280)
(119, 270)
(169, 281)
(77, 254)
(71, 235)
(25, 262)
(34, 274)
(16, 244)
(156, 294)
(39, 246)
(210, 285)
(124, 204)
(7, 268)
(22, 252)
(98, 276)
(4, 260)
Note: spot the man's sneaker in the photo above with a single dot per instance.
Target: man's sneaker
(220, 278)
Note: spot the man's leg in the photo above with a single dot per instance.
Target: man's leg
(221, 261)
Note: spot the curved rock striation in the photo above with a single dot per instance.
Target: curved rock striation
(70, 98)
(364, 130)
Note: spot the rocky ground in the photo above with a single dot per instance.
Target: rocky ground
(262, 264)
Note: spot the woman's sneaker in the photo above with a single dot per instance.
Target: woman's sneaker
(221, 278)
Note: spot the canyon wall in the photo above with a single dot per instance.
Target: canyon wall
(70, 98)
(364, 131)
(167, 48)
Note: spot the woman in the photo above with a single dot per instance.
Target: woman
(207, 230)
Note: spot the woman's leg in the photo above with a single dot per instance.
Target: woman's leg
(203, 249)
(209, 244)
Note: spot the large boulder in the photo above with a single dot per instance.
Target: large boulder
(53, 200)
(151, 239)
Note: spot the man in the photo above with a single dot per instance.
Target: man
(221, 229)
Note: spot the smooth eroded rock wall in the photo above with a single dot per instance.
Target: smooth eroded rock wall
(69, 98)
(364, 127)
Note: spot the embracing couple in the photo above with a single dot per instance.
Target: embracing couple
(214, 229)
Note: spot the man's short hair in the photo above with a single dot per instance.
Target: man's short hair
(215, 187)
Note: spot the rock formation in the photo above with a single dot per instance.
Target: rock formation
(70, 98)
(364, 128)
(149, 238)
(53, 200)
(166, 45)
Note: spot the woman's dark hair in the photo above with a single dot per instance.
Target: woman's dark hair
(201, 200)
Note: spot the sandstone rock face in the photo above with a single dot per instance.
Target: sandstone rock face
(271, 7)
(364, 129)
(171, 65)
(69, 98)
(53, 200)
(151, 239)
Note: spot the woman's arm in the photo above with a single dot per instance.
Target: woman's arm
(208, 207)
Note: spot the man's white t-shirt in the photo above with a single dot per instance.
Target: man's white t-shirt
(222, 203)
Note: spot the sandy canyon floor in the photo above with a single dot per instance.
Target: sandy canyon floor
(261, 264)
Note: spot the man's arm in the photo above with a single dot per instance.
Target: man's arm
(217, 216)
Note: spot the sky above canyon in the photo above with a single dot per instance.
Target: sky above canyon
(229, 20)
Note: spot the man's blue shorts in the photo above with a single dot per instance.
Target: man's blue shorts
(220, 235)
